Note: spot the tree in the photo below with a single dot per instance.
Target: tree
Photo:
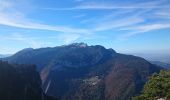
(157, 87)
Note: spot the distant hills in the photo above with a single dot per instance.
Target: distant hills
(161, 57)
(162, 64)
(81, 72)
(5, 55)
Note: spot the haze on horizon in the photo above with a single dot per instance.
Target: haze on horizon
(129, 26)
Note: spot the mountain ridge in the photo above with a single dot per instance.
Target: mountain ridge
(81, 72)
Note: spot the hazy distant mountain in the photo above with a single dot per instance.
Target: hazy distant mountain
(164, 57)
(5, 55)
(82, 72)
(162, 60)
(162, 64)
(20, 82)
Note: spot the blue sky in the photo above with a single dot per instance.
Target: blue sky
(128, 26)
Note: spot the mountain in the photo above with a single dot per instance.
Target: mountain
(81, 72)
(162, 64)
(4, 56)
(20, 82)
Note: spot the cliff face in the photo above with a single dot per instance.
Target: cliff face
(20, 82)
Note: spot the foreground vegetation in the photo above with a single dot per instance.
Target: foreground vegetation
(157, 88)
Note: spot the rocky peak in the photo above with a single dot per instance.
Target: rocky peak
(81, 45)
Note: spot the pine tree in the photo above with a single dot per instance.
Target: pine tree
(157, 87)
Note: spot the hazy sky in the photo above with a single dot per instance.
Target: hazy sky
(124, 25)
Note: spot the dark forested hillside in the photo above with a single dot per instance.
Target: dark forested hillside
(20, 82)
(82, 72)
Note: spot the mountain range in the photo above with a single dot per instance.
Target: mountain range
(81, 72)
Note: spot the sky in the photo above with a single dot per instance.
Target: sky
(127, 26)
